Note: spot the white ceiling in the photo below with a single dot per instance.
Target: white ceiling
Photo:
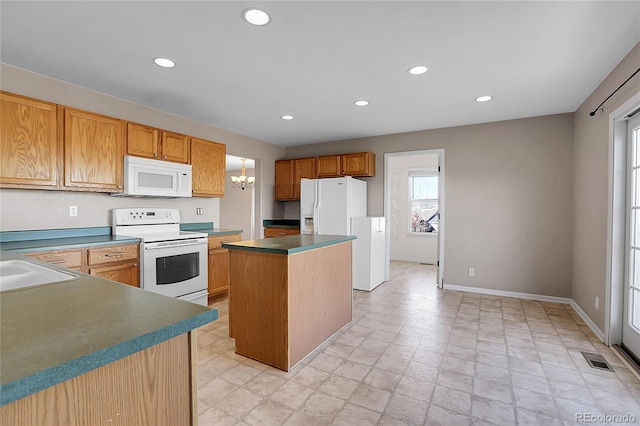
(315, 58)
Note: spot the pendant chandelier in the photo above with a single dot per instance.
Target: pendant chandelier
(243, 181)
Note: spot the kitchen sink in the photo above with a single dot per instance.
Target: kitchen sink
(15, 274)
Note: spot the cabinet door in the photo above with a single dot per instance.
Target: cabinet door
(125, 273)
(175, 147)
(359, 164)
(142, 141)
(29, 143)
(284, 180)
(65, 258)
(110, 254)
(329, 166)
(93, 151)
(218, 272)
(208, 162)
(302, 168)
(279, 232)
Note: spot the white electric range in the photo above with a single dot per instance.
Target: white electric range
(172, 262)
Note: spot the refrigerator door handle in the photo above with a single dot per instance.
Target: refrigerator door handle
(316, 209)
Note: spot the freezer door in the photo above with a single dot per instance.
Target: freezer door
(332, 212)
(307, 205)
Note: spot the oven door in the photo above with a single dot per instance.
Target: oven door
(175, 268)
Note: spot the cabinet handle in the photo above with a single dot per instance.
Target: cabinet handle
(282, 233)
(56, 262)
(164, 157)
(119, 186)
(135, 264)
(155, 154)
(115, 254)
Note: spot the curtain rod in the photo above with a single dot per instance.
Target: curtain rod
(592, 113)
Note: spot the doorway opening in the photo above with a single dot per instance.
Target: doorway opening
(414, 208)
(238, 207)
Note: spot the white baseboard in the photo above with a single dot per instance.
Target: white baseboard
(529, 296)
(592, 325)
(407, 259)
(503, 293)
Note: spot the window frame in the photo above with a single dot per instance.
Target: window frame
(423, 172)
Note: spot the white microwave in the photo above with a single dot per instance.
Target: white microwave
(144, 177)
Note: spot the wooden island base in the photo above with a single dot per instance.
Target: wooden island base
(284, 305)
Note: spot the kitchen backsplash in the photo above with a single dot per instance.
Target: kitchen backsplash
(33, 209)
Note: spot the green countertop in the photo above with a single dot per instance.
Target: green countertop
(281, 223)
(290, 244)
(54, 332)
(59, 239)
(207, 227)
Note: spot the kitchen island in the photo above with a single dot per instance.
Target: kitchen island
(288, 295)
(92, 351)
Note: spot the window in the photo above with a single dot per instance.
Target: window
(423, 202)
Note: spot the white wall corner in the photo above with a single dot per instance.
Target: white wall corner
(592, 325)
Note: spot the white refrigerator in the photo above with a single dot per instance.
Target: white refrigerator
(327, 205)
(368, 252)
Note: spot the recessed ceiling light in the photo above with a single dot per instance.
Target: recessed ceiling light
(361, 103)
(287, 117)
(417, 70)
(256, 17)
(164, 62)
(484, 98)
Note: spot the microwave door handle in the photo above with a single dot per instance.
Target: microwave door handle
(179, 182)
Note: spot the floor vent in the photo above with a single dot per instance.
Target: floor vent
(596, 361)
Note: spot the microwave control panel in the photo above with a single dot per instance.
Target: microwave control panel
(145, 216)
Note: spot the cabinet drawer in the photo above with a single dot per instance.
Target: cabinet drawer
(216, 242)
(64, 258)
(279, 232)
(97, 256)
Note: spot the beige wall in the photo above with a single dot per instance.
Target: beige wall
(508, 189)
(34, 209)
(591, 190)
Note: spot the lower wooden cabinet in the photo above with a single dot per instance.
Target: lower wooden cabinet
(71, 259)
(219, 266)
(119, 263)
(125, 273)
(279, 232)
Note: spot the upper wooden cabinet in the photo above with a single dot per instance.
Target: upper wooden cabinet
(361, 164)
(93, 151)
(329, 166)
(208, 162)
(149, 142)
(29, 147)
(357, 164)
(288, 174)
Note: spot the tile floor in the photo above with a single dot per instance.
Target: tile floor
(418, 355)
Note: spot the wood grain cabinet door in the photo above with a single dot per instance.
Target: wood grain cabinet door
(359, 164)
(93, 152)
(329, 166)
(209, 163)
(124, 273)
(28, 143)
(143, 141)
(284, 180)
(302, 168)
(175, 147)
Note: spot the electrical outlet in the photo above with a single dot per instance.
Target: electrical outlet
(199, 211)
(597, 302)
(472, 272)
(73, 211)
